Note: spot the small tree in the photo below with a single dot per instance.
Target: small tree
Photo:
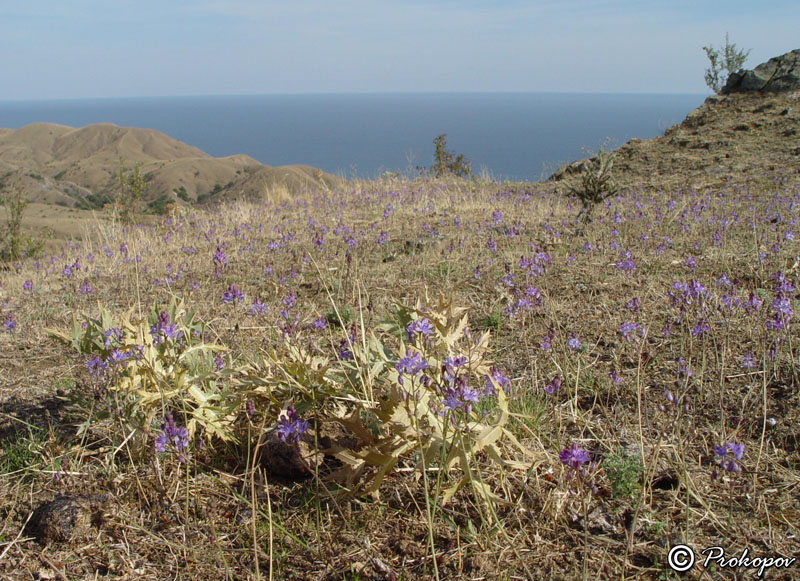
(131, 191)
(596, 182)
(14, 245)
(446, 163)
(728, 61)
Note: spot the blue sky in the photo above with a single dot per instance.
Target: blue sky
(127, 48)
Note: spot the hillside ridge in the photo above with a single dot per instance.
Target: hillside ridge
(79, 167)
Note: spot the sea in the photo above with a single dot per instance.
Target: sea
(505, 136)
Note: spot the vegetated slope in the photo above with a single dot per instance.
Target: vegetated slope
(747, 132)
(60, 164)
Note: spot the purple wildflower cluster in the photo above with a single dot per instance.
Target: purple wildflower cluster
(173, 439)
(165, 330)
(729, 456)
(291, 426)
(421, 326)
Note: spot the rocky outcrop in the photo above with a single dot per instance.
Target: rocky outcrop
(778, 75)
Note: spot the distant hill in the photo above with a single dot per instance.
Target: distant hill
(79, 167)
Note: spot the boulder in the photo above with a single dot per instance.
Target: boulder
(778, 75)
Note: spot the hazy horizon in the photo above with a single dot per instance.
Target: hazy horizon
(91, 49)
(354, 93)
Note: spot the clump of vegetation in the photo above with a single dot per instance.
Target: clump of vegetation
(159, 205)
(723, 63)
(446, 163)
(340, 317)
(596, 183)
(181, 193)
(152, 365)
(625, 473)
(131, 191)
(15, 245)
(94, 201)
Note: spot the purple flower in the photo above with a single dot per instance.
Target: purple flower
(220, 260)
(119, 357)
(172, 438)
(85, 288)
(219, 363)
(319, 324)
(422, 326)
(257, 308)
(614, 377)
(461, 397)
(574, 457)
(730, 463)
(633, 305)
(95, 366)
(499, 378)
(544, 345)
(683, 368)
(9, 324)
(574, 343)
(163, 329)
(690, 262)
(782, 307)
(290, 426)
(700, 328)
(554, 385)
(410, 364)
(748, 362)
(232, 296)
(112, 334)
(625, 329)
(491, 245)
(345, 354)
(752, 304)
(381, 240)
(27, 286)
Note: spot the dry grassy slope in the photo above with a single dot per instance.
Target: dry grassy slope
(55, 163)
(740, 135)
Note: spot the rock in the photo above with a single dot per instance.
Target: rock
(778, 75)
(66, 517)
(291, 460)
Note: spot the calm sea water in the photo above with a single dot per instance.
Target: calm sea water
(517, 136)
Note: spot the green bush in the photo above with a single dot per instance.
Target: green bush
(596, 182)
(445, 163)
(181, 193)
(159, 205)
(624, 473)
(723, 63)
(131, 191)
(15, 245)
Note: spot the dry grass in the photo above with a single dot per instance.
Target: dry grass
(226, 516)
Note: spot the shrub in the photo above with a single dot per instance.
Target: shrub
(152, 366)
(159, 205)
(131, 191)
(445, 163)
(435, 401)
(726, 62)
(340, 317)
(181, 193)
(624, 473)
(596, 182)
(14, 245)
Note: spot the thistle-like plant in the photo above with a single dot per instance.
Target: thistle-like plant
(438, 401)
(154, 366)
(596, 183)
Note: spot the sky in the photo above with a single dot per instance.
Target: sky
(54, 49)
